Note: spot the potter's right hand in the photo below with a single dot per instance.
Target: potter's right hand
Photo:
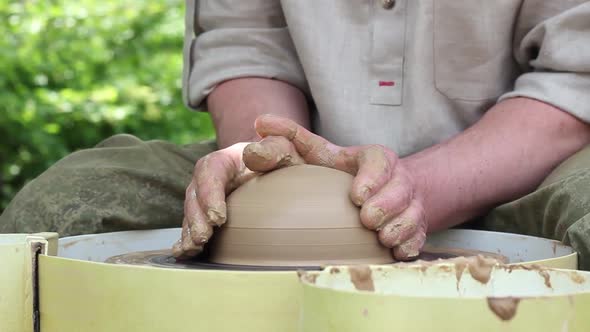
(385, 187)
(218, 174)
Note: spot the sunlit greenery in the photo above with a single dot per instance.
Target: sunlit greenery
(75, 72)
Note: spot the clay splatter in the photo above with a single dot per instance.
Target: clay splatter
(446, 268)
(69, 244)
(504, 307)
(361, 278)
(309, 277)
(481, 268)
(547, 277)
(554, 247)
(577, 278)
(334, 270)
(312, 278)
(459, 269)
(424, 267)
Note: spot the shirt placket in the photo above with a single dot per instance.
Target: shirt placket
(386, 59)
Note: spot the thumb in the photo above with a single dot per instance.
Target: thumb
(270, 153)
(304, 141)
(314, 149)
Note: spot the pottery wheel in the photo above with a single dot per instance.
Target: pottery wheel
(164, 258)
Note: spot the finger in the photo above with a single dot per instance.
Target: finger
(401, 228)
(185, 247)
(270, 153)
(212, 176)
(304, 140)
(200, 230)
(375, 168)
(411, 248)
(312, 148)
(196, 229)
(390, 202)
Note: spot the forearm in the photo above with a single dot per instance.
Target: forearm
(506, 155)
(235, 104)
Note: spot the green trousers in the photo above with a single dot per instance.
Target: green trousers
(125, 183)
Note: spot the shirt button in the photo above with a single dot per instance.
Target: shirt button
(388, 4)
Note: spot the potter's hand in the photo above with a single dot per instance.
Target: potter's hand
(383, 187)
(215, 176)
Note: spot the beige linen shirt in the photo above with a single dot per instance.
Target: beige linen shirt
(406, 73)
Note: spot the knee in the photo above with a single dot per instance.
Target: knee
(119, 140)
(29, 211)
(567, 200)
(51, 203)
(578, 236)
(568, 209)
(578, 163)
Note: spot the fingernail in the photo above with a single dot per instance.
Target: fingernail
(365, 193)
(362, 196)
(216, 215)
(410, 249)
(378, 217)
(412, 252)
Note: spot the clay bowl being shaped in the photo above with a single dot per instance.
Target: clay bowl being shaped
(298, 216)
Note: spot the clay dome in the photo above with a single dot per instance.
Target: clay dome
(296, 216)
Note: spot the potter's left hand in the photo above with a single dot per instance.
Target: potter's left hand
(383, 187)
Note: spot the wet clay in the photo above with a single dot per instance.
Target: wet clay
(546, 278)
(481, 268)
(577, 278)
(309, 277)
(539, 269)
(503, 307)
(164, 259)
(296, 216)
(459, 269)
(137, 258)
(361, 278)
(430, 253)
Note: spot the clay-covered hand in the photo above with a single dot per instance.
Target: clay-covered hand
(215, 176)
(383, 187)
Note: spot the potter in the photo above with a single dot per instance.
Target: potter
(440, 111)
(423, 115)
(446, 113)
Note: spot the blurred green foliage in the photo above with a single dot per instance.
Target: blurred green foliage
(75, 72)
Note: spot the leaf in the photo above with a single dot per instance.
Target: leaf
(76, 72)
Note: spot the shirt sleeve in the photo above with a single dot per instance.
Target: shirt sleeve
(552, 45)
(228, 39)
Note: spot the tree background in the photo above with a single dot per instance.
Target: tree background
(73, 73)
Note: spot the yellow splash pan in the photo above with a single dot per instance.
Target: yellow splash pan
(461, 296)
(76, 291)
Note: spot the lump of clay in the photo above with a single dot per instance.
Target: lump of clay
(296, 216)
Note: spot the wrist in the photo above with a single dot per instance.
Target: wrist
(430, 176)
(234, 105)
